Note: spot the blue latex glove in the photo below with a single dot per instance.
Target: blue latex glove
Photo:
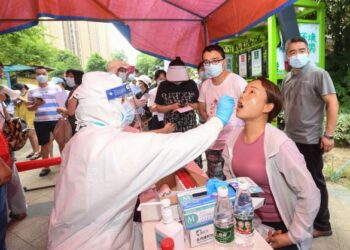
(213, 184)
(225, 108)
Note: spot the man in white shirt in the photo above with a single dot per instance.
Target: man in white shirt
(43, 101)
(221, 82)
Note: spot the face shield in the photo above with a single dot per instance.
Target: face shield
(177, 74)
(100, 101)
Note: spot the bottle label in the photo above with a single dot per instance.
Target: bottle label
(244, 226)
(224, 235)
(159, 238)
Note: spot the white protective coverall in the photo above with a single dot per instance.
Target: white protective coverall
(104, 169)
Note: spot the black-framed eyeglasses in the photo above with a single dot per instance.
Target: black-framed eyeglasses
(214, 62)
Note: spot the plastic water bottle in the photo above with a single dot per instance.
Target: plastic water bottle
(223, 221)
(243, 211)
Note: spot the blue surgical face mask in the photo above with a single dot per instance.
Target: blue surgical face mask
(213, 70)
(128, 114)
(299, 60)
(42, 78)
(131, 77)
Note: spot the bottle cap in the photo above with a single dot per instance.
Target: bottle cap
(165, 203)
(243, 186)
(222, 191)
(167, 244)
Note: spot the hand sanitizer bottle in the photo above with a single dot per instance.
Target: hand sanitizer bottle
(168, 227)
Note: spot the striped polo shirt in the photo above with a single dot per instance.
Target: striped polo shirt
(47, 111)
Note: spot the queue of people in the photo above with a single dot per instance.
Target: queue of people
(236, 136)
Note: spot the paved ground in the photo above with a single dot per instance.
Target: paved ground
(31, 233)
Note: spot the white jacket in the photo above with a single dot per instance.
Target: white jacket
(102, 172)
(295, 192)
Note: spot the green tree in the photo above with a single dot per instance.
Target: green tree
(120, 55)
(338, 24)
(64, 60)
(96, 63)
(337, 60)
(27, 47)
(148, 64)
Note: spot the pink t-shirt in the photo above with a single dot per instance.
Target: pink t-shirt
(249, 160)
(209, 93)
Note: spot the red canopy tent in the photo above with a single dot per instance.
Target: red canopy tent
(164, 28)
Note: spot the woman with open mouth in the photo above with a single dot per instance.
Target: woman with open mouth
(271, 159)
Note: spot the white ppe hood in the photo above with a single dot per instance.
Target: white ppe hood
(94, 107)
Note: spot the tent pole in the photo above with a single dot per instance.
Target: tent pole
(204, 23)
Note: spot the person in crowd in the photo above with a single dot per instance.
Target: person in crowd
(144, 82)
(9, 101)
(136, 73)
(119, 68)
(271, 159)
(159, 76)
(114, 67)
(73, 80)
(5, 174)
(59, 81)
(102, 155)
(156, 121)
(43, 101)
(202, 75)
(220, 82)
(15, 194)
(307, 91)
(176, 92)
(22, 112)
(177, 98)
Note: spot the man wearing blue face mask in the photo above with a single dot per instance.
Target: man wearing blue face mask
(307, 90)
(43, 101)
(220, 82)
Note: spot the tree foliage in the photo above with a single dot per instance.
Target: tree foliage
(148, 64)
(338, 66)
(64, 60)
(120, 55)
(96, 63)
(338, 24)
(338, 60)
(27, 47)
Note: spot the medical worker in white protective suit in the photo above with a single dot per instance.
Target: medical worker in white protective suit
(104, 169)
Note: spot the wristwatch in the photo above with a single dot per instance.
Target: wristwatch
(329, 137)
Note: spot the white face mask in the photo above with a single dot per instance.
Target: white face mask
(159, 81)
(70, 82)
(213, 70)
(299, 60)
(122, 75)
(42, 79)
